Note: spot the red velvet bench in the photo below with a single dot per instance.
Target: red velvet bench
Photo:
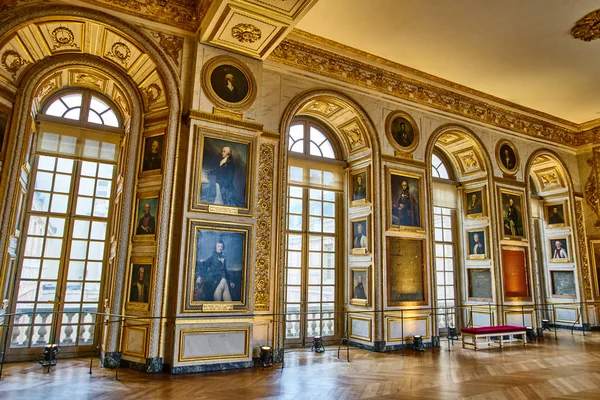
(488, 332)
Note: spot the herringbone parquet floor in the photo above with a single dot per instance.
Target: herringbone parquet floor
(565, 369)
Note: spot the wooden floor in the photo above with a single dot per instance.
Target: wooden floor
(565, 369)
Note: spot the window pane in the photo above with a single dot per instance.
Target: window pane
(294, 260)
(314, 243)
(37, 226)
(316, 176)
(101, 208)
(53, 248)
(328, 244)
(93, 117)
(294, 242)
(59, 203)
(315, 194)
(46, 163)
(89, 168)
(296, 174)
(73, 114)
(50, 269)
(98, 105)
(90, 148)
(110, 119)
(68, 144)
(316, 208)
(84, 206)
(295, 206)
(295, 222)
(328, 225)
(72, 100)
(31, 268)
(56, 109)
(62, 183)
(64, 165)
(76, 270)
(43, 180)
(315, 224)
(108, 151)
(78, 249)
(94, 271)
(81, 229)
(297, 131)
(328, 196)
(329, 209)
(105, 171)
(41, 201)
(327, 150)
(295, 191)
(98, 230)
(56, 227)
(315, 150)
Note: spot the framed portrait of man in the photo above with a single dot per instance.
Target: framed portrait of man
(515, 272)
(559, 250)
(359, 187)
(512, 213)
(405, 272)
(360, 236)
(139, 293)
(223, 173)
(146, 217)
(406, 198)
(477, 240)
(507, 157)
(228, 83)
(360, 286)
(402, 131)
(555, 214)
(218, 267)
(475, 205)
(152, 154)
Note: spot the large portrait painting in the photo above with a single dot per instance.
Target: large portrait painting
(405, 272)
(507, 157)
(360, 284)
(406, 199)
(515, 273)
(223, 173)
(218, 267)
(152, 154)
(228, 83)
(140, 283)
(512, 215)
(147, 216)
(402, 131)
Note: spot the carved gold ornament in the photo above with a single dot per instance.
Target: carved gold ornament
(591, 191)
(121, 52)
(470, 161)
(152, 93)
(323, 107)
(12, 62)
(172, 45)
(585, 269)
(354, 134)
(62, 36)
(264, 227)
(246, 33)
(588, 27)
(86, 79)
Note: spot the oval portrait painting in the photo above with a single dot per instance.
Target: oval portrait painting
(402, 132)
(229, 83)
(508, 157)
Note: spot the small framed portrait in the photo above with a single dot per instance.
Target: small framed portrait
(218, 265)
(359, 187)
(147, 215)
(402, 131)
(515, 273)
(563, 284)
(361, 238)
(360, 286)
(478, 245)
(512, 213)
(228, 83)
(223, 173)
(555, 213)
(559, 250)
(475, 204)
(507, 157)
(152, 154)
(406, 198)
(405, 272)
(141, 270)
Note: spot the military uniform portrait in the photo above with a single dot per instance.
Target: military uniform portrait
(555, 214)
(146, 219)
(405, 210)
(152, 153)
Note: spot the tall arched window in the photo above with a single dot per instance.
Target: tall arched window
(438, 168)
(312, 232)
(65, 232)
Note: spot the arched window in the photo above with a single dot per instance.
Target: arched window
(315, 188)
(69, 202)
(438, 168)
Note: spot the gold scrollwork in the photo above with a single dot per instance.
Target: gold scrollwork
(585, 266)
(591, 192)
(62, 36)
(152, 93)
(246, 33)
(12, 62)
(172, 45)
(263, 225)
(588, 27)
(121, 52)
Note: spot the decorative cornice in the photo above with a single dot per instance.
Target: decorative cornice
(204, 116)
(334, 65)
(588, 27)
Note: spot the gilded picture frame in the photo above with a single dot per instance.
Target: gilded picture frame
(360, 181)
(513, 221)
(475, 202)
(216, 277)
(140, 287)
(559, 249)
(402, 131)
(228, 83)
(360, 241)
(360, 286)
(223, 173)
(515, 273)
(560, 287)
(147, 215)
(594, 246)
(556, 214)
(479, 280)
(478, 244)
(405, 269)
(507, 157)
(152, 155)
(406, 200)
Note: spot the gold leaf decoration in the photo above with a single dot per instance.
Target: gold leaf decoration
(12, 62)
(588, 27)
(246, 33)
(62, 37)
(172, 45)
(585, 266)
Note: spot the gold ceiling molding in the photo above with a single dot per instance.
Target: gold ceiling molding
(172, 45)
(588, 27)
(333, 65)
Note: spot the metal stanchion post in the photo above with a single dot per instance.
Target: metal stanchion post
(402, 329)
(554, 323)
(347, 338)
(6, 333)
(283, 340)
